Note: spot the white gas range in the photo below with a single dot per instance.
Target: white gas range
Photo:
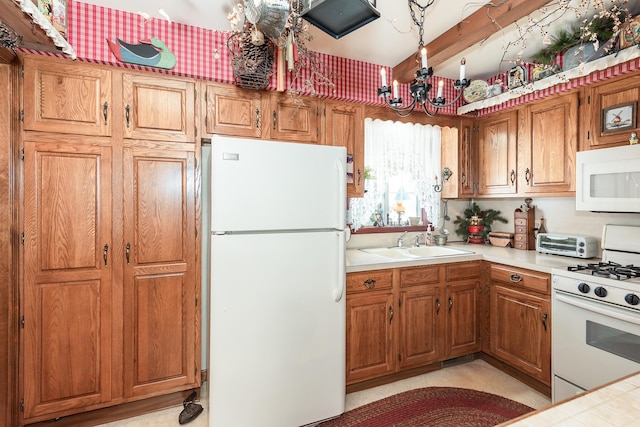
(596, 316)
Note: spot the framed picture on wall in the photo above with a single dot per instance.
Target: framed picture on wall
(619, 117)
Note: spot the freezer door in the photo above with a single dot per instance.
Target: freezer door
(266, 185)
(277, 332)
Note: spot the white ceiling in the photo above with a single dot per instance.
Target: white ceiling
(386, 41)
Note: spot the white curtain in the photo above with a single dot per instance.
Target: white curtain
(391, 147)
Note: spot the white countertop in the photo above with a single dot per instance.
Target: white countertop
(616, 404)
(358, 260)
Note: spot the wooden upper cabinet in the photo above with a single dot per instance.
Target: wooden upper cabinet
(344, 127)
(459, 156)
(65, 97)
(547, 141)
(605, 96)
(497, 154)
(158, 108)
(159, 271)
(293, 119)
(67, 291)
(229, 110)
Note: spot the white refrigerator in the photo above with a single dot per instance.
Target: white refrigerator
(277, 298)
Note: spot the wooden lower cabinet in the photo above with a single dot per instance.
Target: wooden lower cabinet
(520, 322)
(405, 318)
(67, 294)
(463, 325)
(159, 276)
(370, 348)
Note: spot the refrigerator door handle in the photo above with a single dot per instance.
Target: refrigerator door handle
(342, 193)
(342, 274)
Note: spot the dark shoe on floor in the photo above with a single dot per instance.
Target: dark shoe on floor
(190, 412)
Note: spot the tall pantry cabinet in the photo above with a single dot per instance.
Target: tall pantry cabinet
(109, 300)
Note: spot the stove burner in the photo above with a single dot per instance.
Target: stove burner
(610, 269)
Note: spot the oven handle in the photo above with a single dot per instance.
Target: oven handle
(610, 311)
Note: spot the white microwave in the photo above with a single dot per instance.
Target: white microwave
(608, 179)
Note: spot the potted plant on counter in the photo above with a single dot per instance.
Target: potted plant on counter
(475, 226)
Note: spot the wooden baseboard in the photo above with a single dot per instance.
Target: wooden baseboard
(534, 384)
(520, 376)
(120, 412)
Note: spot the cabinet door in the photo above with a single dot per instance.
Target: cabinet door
(158, 108)
(232, 111)
(67, 293)
(468, 160)
(345, 128)
(463, 319)
(370, 348)
(66, 97)
(160, 319)
(608, 95)
(497, 154)
(294, 119)
(547, 140)
(421, 334)
(521, 331)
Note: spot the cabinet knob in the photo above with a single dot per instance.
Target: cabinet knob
(369, 283)
(544, 321)
(105, 109)
(512, 176)
(527, 175)
(390, 313)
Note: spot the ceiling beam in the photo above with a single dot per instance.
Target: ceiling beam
(473, 29)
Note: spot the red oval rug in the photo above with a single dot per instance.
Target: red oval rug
(433, 406)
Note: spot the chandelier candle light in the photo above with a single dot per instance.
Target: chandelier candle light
(420, 87)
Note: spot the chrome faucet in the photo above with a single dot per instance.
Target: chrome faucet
(399, 244)
(417, 237)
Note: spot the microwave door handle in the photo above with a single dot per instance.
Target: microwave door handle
(596, 308)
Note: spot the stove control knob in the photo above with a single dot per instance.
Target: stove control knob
(584, 288)
(632, 299)
(600, 291)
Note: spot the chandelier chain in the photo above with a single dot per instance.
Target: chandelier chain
(413, 4)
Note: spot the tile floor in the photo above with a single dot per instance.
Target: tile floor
(476, 374)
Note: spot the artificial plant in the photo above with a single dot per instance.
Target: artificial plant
(487, 217)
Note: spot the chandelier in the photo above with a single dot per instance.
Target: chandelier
(420, 88)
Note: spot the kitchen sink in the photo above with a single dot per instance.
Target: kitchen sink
(395, 253)
(410, 253)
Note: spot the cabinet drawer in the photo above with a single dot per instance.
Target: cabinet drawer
(463, 270)
(520, 221)
(521, 229)
(520, 237)
(369, 280)
(419, 275)
(522, 244)
(520, 278)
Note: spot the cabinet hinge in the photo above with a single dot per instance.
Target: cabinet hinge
(399, 357)
(22, 71)
(206, 95)
(21, 115)
(21, 405)
(22, 154)
(196, 301)
(399, 302)
(195, 128)
(196, 231)
(589, 99)
(205, 121)
(22, 322)
(196, 162)
(22, 237)
(588, 135)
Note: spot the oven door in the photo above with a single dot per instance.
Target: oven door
(593, 343)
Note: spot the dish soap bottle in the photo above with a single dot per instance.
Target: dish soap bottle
(428, 240)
